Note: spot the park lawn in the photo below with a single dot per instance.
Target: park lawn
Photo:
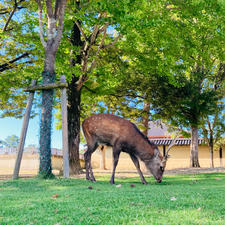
(180, 199)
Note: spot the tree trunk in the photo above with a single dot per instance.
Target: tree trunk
(145, 117)
(45, 168)
(194, 162)
(74, 100)
(221, 156)
(211, 150)
(54, 29)
(74, 126)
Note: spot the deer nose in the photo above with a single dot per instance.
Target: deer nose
(159, 180)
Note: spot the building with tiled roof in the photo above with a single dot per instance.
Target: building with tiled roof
(159, 135)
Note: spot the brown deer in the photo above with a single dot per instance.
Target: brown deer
(122, 135)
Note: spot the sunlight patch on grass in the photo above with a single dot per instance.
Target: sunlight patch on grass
(196, 199)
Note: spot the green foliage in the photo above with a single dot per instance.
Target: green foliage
(11, 141)
(170, 55)
(177, 58)
(181, 199)
(213, 127)
(21, 38)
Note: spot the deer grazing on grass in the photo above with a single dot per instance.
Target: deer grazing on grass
(123, 136)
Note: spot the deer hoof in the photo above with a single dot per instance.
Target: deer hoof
(93, 180)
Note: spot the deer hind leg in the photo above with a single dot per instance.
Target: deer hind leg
(137, 165)
(87, 159)
(87, 156)
(116, 154)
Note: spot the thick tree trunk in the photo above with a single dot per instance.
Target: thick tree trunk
(211, 151)
(74, 100)
(54, 29)
(194, 162)
(45, 168)
(74, 126)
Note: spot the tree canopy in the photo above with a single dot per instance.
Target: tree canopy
(169, 54)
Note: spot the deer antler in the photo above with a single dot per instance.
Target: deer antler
(170, 146)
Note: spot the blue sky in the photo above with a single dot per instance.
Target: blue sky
(10, 126)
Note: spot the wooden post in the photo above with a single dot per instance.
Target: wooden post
(64, 130)
(221, 156)
(164, 150)
(23, 132)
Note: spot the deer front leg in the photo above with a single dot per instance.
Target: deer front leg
(116, 155)
(137, 165)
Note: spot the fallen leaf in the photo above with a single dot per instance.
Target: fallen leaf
(90, 187)
(217, 178)
(173, 199)
(55, 196)
(119, 185)
(133, 185)
(199, 208)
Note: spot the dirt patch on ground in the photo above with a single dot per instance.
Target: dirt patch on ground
(131, 173)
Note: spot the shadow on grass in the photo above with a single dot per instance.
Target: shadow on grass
(73, 199)
(40, 184)
(186, 179)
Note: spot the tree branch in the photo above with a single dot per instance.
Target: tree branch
(81, 31)
(220, 76)
(96, 31)
(49, 8)
(113, 42)
(10, 17)
(99, 48)
(90, 90)
(56, 11)
(6, 66)
(2, 12)
(81, 81)
(61, 11)
(40, 23)
(11, 14)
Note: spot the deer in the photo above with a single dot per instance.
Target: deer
(123, 136)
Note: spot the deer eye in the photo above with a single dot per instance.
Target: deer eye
(162, 168)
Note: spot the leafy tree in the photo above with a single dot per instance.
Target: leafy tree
(55, 21)
(17, 55)
(88, 27)
(177, 57)
(213, 129)
(11, 141)
(78, 50)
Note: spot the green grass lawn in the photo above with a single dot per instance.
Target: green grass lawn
(180, 199)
